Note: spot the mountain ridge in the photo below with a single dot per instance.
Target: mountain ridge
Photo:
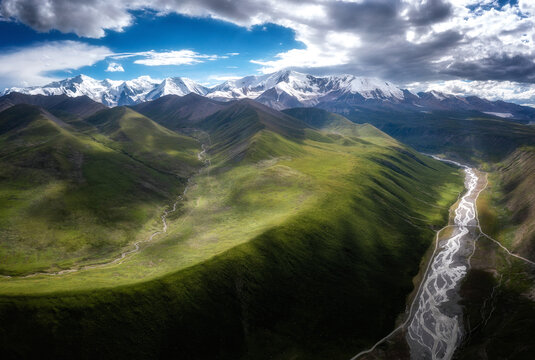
(281, 90)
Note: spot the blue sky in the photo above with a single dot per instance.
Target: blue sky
(234, 45)
(464, 47)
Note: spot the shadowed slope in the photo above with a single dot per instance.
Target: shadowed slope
(471, 136)
(508, 209)
(59, 105)
(175, 112)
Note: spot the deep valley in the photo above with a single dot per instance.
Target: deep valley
(190, 227)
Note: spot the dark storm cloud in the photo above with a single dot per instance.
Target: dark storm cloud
(401, 60)
(433, 11)
(386, 51)
(500, 67)
(407, 61)
(383, 17)
(369, 16)
(89, 17)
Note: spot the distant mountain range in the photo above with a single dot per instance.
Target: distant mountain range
(282, 90)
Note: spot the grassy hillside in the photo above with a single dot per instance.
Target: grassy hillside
(334, 123)
(463, 135)
(498, 291)
(66, 199)
(508, 210)
(285, 248)
(123, 129)
(237, 132)
(177, 112)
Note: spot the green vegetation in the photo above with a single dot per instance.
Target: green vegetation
(179, 112)
(66, 199)
(296, 243)
(335, 123)
(498, 291)
(464, 135)
(508, 210)
(499, 308)
(123, 129)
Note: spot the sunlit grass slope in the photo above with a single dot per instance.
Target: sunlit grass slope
(508, 206)
(236, 131)
(335, 123)
(123, 129)
(66, 199)
(296, 243)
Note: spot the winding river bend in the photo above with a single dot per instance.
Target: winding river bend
(435, 329)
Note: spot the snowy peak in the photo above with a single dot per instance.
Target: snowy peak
(307, 90)
(279, 90)
(176, 86)
(369, 88)
(115, 92)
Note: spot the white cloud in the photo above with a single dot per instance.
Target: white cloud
(490, 89)
(114, 67)
(223, 77)
(32, 65)
(213, 80)
(361, 35)
(174, 57)
(88, 18)
(400, 40)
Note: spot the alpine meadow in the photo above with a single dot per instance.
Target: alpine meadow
(276, 180)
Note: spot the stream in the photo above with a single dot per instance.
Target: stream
(435, 330)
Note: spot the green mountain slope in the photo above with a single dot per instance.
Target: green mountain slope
(238, 132)
(177, 112)
(284, 248)
(508, 206)
(334, 123)
(124, 129)
(59, 105)
(463, 135)
(498, 291)
(67, 199)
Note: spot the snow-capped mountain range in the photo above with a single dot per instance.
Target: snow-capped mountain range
(305, 89)
(115, 92)
(280, 90)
